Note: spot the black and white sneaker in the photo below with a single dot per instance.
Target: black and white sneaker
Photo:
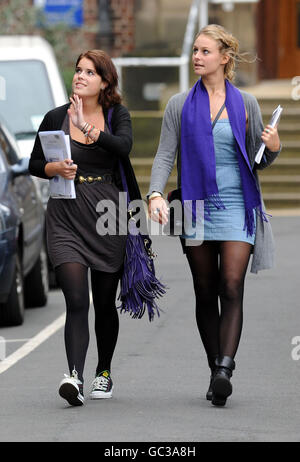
(102, 386)
(71, 389)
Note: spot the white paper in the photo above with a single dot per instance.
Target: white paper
(273, 121)
(56, 148)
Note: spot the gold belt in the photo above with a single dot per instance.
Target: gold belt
(105, 178)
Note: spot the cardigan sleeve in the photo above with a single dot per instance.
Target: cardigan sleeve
(168, 145)
(120, 143)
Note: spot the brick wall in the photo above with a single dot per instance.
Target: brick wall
(122, 22)
(90, 35)
(123, 26)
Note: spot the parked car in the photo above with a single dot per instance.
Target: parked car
(33, 86)
(23, 257)
(30, 86)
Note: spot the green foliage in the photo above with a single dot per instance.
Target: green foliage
(58, 37)
(17, 17)
(67, 75)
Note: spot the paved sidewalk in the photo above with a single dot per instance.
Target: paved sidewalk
(160, 370)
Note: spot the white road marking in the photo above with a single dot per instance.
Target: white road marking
(33, 343)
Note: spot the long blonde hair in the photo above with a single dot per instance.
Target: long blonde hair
(228, 45)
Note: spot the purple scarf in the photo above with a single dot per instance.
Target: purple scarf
(198, 163)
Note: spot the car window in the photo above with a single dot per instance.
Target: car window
(13, 149)
(27, 95)
(10, 154)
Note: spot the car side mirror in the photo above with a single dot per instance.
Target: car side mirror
(21, 167)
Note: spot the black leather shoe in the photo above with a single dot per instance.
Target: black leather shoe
(221, 386)
(209, 392)
(213, 367)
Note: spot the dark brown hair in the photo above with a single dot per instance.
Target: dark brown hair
(107, 71)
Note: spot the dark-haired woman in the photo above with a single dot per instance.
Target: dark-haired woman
(73, 242)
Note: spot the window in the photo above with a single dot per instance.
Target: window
(8, 146)
(28, 95)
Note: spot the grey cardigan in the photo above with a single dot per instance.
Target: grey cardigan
(169, 148)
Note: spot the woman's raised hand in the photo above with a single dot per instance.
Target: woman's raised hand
(75, 111)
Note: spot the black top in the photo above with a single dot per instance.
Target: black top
(96, 160)
(119, 143)
(74, 225)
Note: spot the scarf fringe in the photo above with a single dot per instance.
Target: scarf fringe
(249, 222)
(215, 201)
(249, 219)
(263, 215)
(139, 285)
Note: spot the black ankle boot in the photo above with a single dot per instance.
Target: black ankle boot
(221, 386)
(213, 367)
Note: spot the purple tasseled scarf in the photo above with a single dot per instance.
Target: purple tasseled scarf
(139, 286)
(198, 163)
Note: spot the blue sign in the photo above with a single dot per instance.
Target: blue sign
(69, 12)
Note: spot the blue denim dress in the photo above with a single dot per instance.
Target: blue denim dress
(226, 224)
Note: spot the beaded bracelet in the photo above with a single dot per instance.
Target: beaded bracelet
(83, 129)
(91, 128)
(96, 132)
(87, 129)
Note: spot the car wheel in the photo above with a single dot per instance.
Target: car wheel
(12, 312)
(37, 282)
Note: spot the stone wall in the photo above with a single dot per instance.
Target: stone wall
(120, 39)
(145, 27)
(108, 24)
(160, 25)
(123, 26)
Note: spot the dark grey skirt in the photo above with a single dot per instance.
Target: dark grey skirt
(71, 230)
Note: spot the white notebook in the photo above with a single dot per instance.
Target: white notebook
(273, 121)
(56, 148)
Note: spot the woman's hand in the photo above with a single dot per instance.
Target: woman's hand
(158, 210)
(75, 112)
(65, 168)
(270, 138)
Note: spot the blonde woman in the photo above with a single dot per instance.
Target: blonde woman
(216, 164)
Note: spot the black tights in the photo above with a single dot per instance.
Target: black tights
(73, 280)
(218, 270)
